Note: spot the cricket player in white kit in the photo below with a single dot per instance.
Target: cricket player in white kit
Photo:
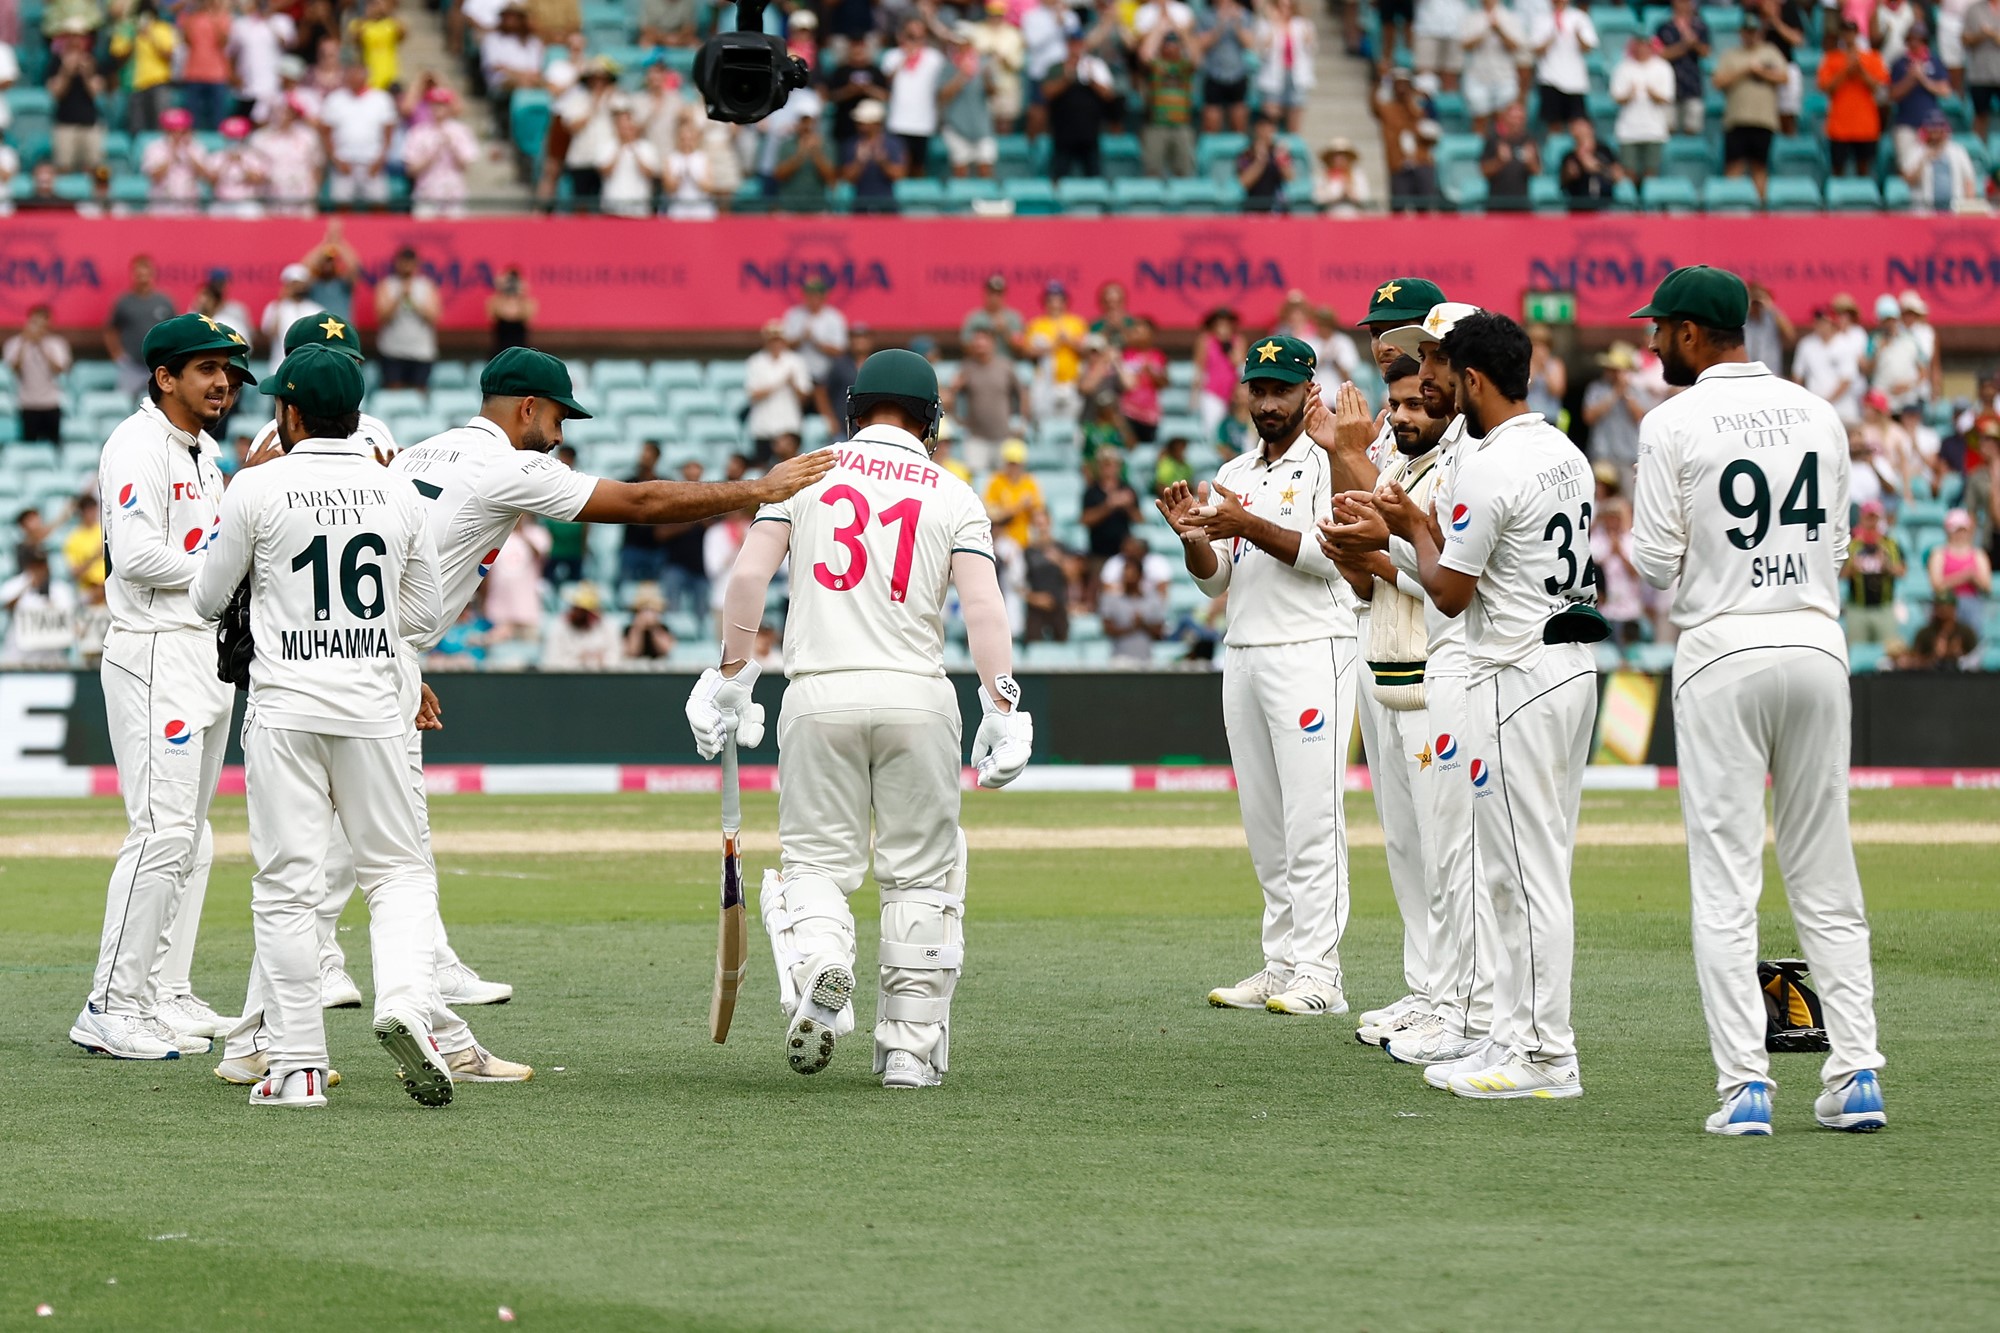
(1508, 548)
(458, 982)
(1416, 656)
(1288, 679)
(167, 711)
(870, 724)
(1742, 497)
(343, 587)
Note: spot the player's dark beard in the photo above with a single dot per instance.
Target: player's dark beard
(1674, 366)
(1284, 433)
(1474, 426)
(1416, 441)
(534, 437)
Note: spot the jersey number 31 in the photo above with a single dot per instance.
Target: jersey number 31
(901, 515)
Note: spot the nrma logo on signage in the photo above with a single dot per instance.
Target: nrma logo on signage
(1605, 268)
(1959, 272)
(34, 268)
(815, 255)
(1210, 269)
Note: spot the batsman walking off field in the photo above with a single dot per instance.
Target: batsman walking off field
(870, 724)
(1742, 496)
(1287, 679)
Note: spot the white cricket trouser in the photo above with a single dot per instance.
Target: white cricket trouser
(856, 743)
(1391, 739)
(1288, 710)
(1782, 711)
(171, 975)
(1462, 949)
(340, 877)
(1530, 734)
(295, 781)
(169, 721)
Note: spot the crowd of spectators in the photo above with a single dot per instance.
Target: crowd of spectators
(1920, 465)
(1860, 89)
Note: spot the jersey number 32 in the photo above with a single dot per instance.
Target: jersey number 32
(902, 515)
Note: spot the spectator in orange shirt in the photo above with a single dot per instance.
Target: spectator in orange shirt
(1853, 79)
(206, 71)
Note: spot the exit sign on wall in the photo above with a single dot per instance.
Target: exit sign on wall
(1549, 307)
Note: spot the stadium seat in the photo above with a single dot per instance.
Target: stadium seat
(1120, 156)
(962, 192)
(1847, 194)
(1450, 111)
(1216, 154)
(1669, 193)
(1545, 195)
(725, 377)
(919, 196)
(1033, 197)
(455, 405)
(1791, 194)
(456, 374)
(683, 402)
(1614, 24)
(606, 375)
(1690, 158)
(1799, 156)
(1084, 195)
(628, 401)
(528, 121)
(1139, 194)
(1729, 194)
(1896, 197)
(1863, 658)
(675, 375)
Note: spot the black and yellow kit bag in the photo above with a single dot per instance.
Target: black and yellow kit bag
(1792, 1017)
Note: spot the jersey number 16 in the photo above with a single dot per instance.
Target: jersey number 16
(901, 515)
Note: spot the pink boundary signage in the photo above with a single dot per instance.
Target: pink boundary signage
(614, 275)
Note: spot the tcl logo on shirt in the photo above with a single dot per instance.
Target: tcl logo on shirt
(187, 490)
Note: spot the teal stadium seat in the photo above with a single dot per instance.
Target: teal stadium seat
(617, 375)
(1847, 194)
(1791, 194)
(1139, 194)
(1690, 158)
(919, 196)
(1084, 195)
(1032, 196)
(675, 375)
(1721, 194)
(1798, 156)
(962, 192)
(1669, 194)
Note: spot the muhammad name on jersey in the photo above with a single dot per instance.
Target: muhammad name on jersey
(315, 645)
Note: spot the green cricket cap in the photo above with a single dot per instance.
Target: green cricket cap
(323, 328)
(1402, 301)
(1280, 357)
(1714, 298)
(240, 363)
(185, 335)
(895, 372)
(317, 380)
(522, 372)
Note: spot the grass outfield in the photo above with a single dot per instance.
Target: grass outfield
(1108, 1152)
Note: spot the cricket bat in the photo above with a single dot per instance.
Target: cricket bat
(732, 945)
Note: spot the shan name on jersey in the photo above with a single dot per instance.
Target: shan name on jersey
(314, 645)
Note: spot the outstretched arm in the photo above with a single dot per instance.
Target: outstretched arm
(764, 550)
(985, 615)
(690, 501)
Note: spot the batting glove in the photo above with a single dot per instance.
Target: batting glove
(1001, 747)
(720, 707)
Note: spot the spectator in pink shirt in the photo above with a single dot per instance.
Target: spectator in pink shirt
(205, 70)
(238, 174)
(176, 165)
(293, 159)
(1145, 375)
(435, 156)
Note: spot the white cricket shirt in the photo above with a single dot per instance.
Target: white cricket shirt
(1271, 602)
(161, 496)
(371, 432)
(872, 545)
(476, 485)
(1519, 522)
(1742, 496)
(343, 583)
(1434, 472)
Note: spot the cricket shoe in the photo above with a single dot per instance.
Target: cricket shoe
(1375, 1018)
(185, 1042)
(1746, 1114)
(422, 1071)
(903, 1070)
(461, 985)
(1854, 1105)
(1251, 992)
(1516, 1077)
(338, 991)
(1308, 995)
(122, 1037)
(1483, 1055)
(476, 1064)
(1410, 1020)
(1433, 1044)
(809, 1039)
(247, 1069)
(302, 1088)
(191, 1016)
